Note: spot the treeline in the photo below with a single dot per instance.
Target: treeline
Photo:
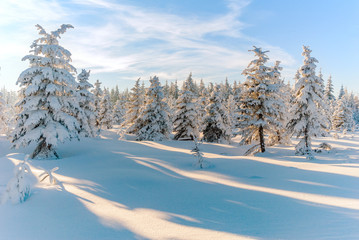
(53, 106)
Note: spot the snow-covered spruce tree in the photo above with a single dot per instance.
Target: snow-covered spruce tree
(201, 106)
(226, 90)
(232, 107)
(281, 98)
(105, 114)
(217, 125)
(153, 121)
(341, 92)
(342, 119)
(307, 117)
(118, 112)
(87, 119)
(174, 91)
(98, 94)
(3, 117)
(321, 80)
(191, 86)
(134, 105)
(329, 90)
(48, 97)
(258, 103)
(185, 124)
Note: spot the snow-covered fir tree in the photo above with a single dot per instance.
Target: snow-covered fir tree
(226, 90)
(119, 112)
(321, 80)
(191, 86)
(329, 90)
(341, 92)
(134, 105)
(86, 117)
(217, 125)
(202, 91)
(307, 116)
(105, 114)
(174, 91)
(154, 124)
(232, 107)
(201, 106)
(281, 98)
(185, 124)
(98, 94)
(114, 95)
(48, 97)
(258, 103)
(342, 119)
(3, 117)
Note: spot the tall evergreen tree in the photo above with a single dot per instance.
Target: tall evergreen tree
(307, 115)
(86, 117)
(281, 98)
(329, 90)
(105, 114)
(217, 125)
(201, 106)
(341, 92)
(135, 105)
(98, 94)
(3, 122)
(154, 121)
(226, 90)
(48, 97)
(186, 116)
(258, 110)
(118, 112)
(342, 118)
(174, 91)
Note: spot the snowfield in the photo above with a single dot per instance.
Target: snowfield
(122, 189)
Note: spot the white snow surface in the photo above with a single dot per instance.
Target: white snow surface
(122, 189)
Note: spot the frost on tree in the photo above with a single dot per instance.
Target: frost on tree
(341, 92)
(201, 105)
(105, 113)
(48, 97)
(329, 90)
(259, 103)
(280, 104)
(118, 112)
(217, 124)
(307, 119)
(3, 121)
(135, 105)
(185, 124)
(154, 124)
(342, 119)
(98, 94)
(86, 117)
(18, 189)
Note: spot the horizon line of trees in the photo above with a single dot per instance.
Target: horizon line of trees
(53, 106)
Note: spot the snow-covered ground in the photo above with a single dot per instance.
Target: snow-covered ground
(118, 189)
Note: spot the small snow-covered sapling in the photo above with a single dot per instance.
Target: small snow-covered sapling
(196, 152)
(18, 189)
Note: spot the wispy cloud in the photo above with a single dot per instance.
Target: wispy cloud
(131, 41)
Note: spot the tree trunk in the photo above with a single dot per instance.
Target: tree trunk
(278, 136)
(261, 139)
(44, 149)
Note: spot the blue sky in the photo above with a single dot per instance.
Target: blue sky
(120, 41)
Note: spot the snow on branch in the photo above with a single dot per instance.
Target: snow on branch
(18, 189)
